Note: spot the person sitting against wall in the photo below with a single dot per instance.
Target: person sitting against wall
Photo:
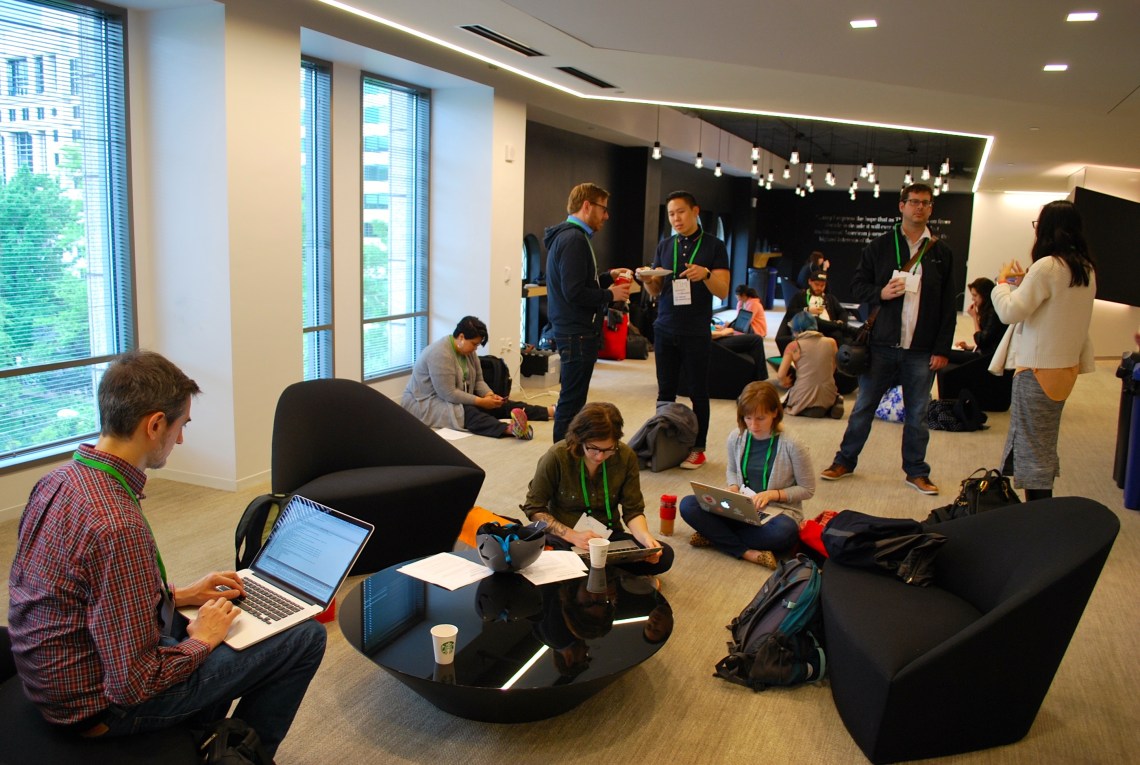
(968, 363)
(766, 464)
(751, 341)
(591, 478)
(811, 356)
(447, 390)
(831, 316)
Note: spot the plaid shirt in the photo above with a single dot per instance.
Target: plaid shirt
(85, 596)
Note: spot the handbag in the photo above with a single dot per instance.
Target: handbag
(982, 490)
(854, 355)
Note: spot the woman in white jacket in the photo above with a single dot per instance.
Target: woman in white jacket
(1047, 343)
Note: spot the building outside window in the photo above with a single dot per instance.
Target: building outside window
(316, 219)
(65, 257)
(394, 170)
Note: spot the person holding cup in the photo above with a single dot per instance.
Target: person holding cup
(589, 483)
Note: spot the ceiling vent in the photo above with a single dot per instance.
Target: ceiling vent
(585, 77)
(500, 39)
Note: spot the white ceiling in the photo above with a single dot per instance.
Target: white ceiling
(967, 66)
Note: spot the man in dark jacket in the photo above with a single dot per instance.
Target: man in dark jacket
(821, 304)
(576, 302)
(908, 275)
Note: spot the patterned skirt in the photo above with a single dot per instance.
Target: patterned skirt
(1030, 453)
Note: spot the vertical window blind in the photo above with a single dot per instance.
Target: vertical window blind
(316, 219)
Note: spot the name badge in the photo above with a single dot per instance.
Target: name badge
(589, 523)
(911, 282)
(682, 292)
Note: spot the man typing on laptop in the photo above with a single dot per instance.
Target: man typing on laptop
(97, 641)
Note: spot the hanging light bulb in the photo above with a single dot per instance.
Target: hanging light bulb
(946, 185)
(937, 182)
(811, 189)
(700, 161)
(863, 171)
(799, 191)
(852, 195)
(809, 168)
(808, 183)
(829, 178)
(771, 177)
(876, 191)
(945, 169)
(926, 173)
(755, 152)
(871, 177)
(936, 191)
(760, 182)
(908, 179)
(787, 172)
(768, 185)
(657, 150)
(870, 166)
(718, 172)
(795, 158)
(756, 167)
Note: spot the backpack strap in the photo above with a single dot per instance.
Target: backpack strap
(251, 532)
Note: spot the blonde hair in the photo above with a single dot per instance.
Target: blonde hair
(759, 396)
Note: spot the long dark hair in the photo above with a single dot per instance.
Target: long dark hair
(984, 287)
(1060, 233)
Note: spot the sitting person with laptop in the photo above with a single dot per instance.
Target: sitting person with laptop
(769, 466)
(588, 485)
(96, 638)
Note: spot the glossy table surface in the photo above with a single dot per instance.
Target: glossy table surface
(523, 652)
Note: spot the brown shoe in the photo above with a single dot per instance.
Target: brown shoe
(835, 472)
(763, 558)
(699, 540)
(922, 484)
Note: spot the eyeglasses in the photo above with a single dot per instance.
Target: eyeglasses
(605, 208)
(919, 203)
(605, 452)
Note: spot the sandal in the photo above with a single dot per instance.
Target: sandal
(699, 540)
(763, 558)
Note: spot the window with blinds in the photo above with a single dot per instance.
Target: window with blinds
(394, 206)
(66, 295)
(316, 219)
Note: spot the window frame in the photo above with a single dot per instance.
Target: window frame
(316, 255)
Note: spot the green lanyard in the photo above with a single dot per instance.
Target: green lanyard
(767, 462)
(605, 488)
(692, 257)
(898, 253)
(575, 222)
(463, 360)
(114, 473)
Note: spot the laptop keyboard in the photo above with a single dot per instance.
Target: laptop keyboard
(264, 604)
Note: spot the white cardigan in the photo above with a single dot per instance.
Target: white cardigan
(1049, 320)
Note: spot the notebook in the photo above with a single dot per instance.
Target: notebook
(734, 505)
(294, 577)
(621, 551)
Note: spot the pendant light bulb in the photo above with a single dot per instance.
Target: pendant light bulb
(787, 172)
(937, 191)
(756, 167)
(863, 171)
(700, 161)
(926, 173)
(937, 181)
(876, 191)
(809, 168)
(829, 178)
(755, 153)
(718, 172)
(795, 158)
(657, 150)
(771, 176)
(768, 185)
(945, 169)
(946, 185)
(908, 179)
(870, 166)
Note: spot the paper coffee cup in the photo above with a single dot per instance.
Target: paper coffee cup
(443, 640)
(599, 548)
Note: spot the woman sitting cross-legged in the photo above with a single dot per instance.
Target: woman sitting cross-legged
(592, 473)
(767, 464)
(808, 371)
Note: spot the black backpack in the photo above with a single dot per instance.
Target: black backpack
(496, 375)
(231, 741)
(962, 414)
(774, 638)
(254, 527)
(892, 545)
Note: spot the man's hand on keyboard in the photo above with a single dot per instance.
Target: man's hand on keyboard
(214, 619)
(218, 584)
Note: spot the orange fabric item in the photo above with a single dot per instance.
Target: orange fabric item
(476, 518)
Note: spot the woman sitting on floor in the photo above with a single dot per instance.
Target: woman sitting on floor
(811, 384)
(592, 473)
(766, 464)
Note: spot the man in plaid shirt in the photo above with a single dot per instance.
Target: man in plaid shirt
(97, 641)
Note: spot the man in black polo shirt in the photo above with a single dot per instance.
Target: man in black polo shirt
(681, 337)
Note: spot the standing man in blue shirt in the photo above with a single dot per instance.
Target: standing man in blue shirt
(681, 336)
(576, 302)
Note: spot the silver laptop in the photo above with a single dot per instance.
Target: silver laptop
(621, 551)
(297, 572)
(731, 504)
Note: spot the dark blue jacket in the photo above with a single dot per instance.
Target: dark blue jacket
(576, 303)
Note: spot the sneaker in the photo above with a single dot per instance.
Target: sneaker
(520, 428)
(765, 558)
(693, 461)
(835, 472)
(699, 540)
(921, 483)
(837, 409)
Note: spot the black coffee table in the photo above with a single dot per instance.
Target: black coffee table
(524, 653)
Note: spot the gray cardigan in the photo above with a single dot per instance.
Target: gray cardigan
(435, 391)
(791, 470)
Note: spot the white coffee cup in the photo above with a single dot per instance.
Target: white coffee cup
(599, 548)
(443, 641)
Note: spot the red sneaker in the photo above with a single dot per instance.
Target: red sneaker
(693, 461)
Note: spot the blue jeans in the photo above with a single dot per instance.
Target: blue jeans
(270, 677)
(736, 537)
(578, 354)
(892, 366)
(689, 355)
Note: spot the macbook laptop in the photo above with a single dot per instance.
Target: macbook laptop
(621, 551)
(731, 504)
(297, 572)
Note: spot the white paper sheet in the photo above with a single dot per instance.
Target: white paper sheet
(555, 566)
(447, 570)
(447, 434)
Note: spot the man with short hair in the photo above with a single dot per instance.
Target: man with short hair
(821, 304)
(699, 268)
(907, 274)
(576, 301)
(95, 635)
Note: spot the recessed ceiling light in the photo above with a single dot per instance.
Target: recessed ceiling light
(1082, 16)
(864, 24)
(1056, 68)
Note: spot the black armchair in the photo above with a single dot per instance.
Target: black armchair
(965, 663)
(348, 446)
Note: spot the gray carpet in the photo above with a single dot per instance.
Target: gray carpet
(671, 709)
